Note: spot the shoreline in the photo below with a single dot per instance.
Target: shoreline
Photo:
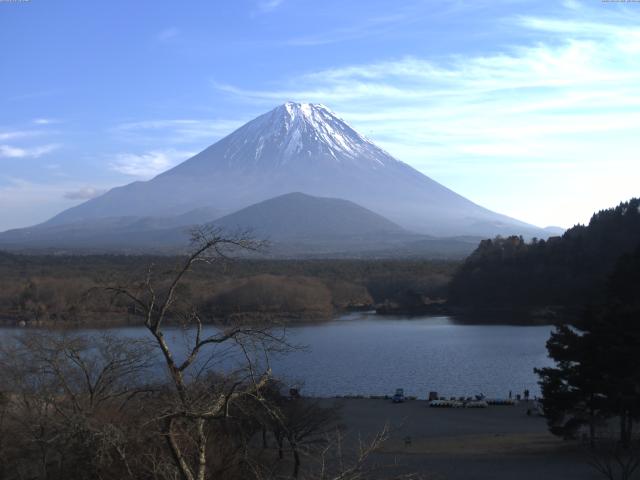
(498, 442)
(456, 316)
(533, 315)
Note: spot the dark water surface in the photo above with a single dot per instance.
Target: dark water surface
(372, 354)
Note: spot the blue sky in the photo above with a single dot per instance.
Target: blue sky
(528, 108)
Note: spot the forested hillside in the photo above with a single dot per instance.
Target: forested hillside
(63, 289)
(566, 271)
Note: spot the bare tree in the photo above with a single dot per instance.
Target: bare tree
(4, 403)
(192, 406)
(356, 463)
(613, 461)
(305, 424)
(65, 395)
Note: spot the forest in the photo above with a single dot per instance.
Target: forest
(552, 278)
(560, 273)
(71, 289)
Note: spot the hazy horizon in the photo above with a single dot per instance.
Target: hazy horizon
(526, 109)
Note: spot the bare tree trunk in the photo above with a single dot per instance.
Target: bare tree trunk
(176, 453)
(624, 434)
(279, 441)
(592, 426)
(202, 448)
(296, 461)
(44, 461)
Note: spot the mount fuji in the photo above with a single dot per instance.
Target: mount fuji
(296, 147)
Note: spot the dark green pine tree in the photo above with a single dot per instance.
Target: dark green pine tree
(573, 393)
(597, 372)
(618, 329)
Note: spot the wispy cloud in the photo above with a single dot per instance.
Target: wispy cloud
(569, 97)
(84, 193)
(33, 95)
(364, 28)
(572, 4)
(12, 134)
(18, 197)
(45, 121)
(148, 164)
(9, 151)
(269, 5)
(175, 130)
(167, 34)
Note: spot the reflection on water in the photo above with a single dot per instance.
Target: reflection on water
(368, 354)
(373, 354)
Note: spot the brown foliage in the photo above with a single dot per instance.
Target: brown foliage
(273, 294)
(62, 290)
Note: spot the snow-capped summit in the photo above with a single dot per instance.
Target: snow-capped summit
(314, 126)
(293, 135)
(300, 147)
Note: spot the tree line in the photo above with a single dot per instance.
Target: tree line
(560, 271)
(52, 290)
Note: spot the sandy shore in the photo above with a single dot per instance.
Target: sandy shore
(499, 442)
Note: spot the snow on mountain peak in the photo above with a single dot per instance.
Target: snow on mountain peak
(306, 109)
(314, 128)
(300, 135)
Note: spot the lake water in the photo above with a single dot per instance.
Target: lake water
(370, 354)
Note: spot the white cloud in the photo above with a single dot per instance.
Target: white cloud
(19, 196)
(176, 130)
(269, 5)
(569, 98)
(366, 27)
(8, 151)
(168, 34)
(45, 121)
(572, 4)
(10, 135)
(148, 164)
(84, 193)
(34, 94)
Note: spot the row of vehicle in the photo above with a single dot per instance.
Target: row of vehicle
(479, 401)
(458, 404)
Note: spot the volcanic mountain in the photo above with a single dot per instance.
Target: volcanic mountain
(300, 147)
(297, 216)
(296, 147)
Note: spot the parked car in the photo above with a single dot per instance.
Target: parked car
(398, 397)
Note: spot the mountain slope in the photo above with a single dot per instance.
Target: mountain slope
(300, 148)
(300, 216)
(296, 225)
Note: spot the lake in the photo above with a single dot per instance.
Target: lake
(369, 354)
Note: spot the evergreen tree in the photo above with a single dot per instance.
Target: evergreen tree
(597, 372)
(561, 271)
(573, 394)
